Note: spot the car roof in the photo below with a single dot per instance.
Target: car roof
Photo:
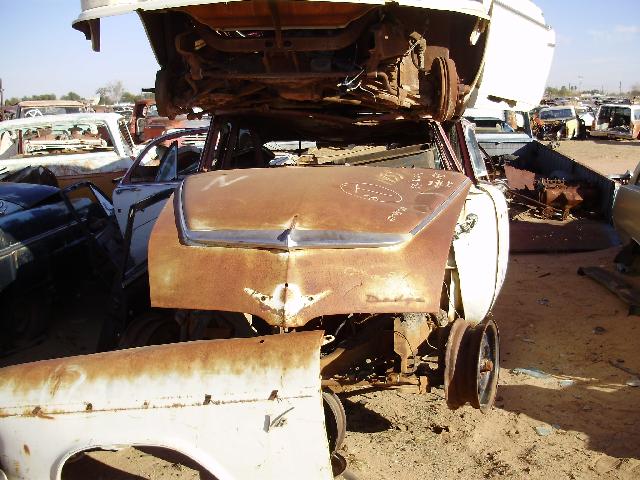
(25, 195)
(558, 107)
(620, 105)
(50, 103)
(67, 117)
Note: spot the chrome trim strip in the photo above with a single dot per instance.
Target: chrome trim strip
(288, 240)
(13, 248)
(433, 215)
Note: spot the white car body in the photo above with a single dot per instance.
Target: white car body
(98, 166)
(258, 399)
(519, 37)
(626, 209)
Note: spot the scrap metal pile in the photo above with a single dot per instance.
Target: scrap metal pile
(555, 196)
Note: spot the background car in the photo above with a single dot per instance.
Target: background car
(39, 108)
(44, 238)
(626, 217)
(617, 121)
(559, 122)
(76, 147)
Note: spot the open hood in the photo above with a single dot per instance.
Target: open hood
(518, 57)
(290, 244)
(409, 56)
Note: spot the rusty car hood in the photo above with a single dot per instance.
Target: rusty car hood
(303, 207)
(341, 56)
(290, 244)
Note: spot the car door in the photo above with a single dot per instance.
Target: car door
(161, 166)
(626, 209)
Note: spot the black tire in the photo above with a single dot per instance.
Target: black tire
(25, 318)
(151, 328)
(335, 420)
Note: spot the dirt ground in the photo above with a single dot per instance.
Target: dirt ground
(580, 421)
(604, 156)
(552, 320)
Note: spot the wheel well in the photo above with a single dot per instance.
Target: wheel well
(129, 462)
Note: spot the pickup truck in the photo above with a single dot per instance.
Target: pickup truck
(556, 203)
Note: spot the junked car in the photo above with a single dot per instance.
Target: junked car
(617, 121)
(44, 236)
(94, 147)
(343, 56)
(626, 215)
(387, 261)
(39, 108)
(373, 241)
(559, 122)
(587, 115)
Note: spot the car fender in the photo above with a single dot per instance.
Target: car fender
(481, 248)
(241, 408)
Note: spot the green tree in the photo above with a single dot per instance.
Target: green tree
(104, 96)
(44, 96)
(128, 97)
(71, 96)
(11, 101)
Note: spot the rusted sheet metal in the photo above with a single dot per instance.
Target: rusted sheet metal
(546, 161)
(259, 15)
(612, 282)
(557, 193)
(361, 56)
(241, 408)
(566, 196)
(290, 245)
(103, 180)
(338, 199)
(520, 179)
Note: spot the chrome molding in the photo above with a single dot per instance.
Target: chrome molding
(295, 239)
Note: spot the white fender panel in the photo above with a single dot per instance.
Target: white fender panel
(241, 408)
(482, 253)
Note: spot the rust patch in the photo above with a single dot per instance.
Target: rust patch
(231, 356)
(405, 277)
(37, 412)
(25, 447)
(57, 381)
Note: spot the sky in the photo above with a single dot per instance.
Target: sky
(597, 46)
(597, 43)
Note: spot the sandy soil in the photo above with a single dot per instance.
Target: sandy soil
(550, 319)
(605, 156)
